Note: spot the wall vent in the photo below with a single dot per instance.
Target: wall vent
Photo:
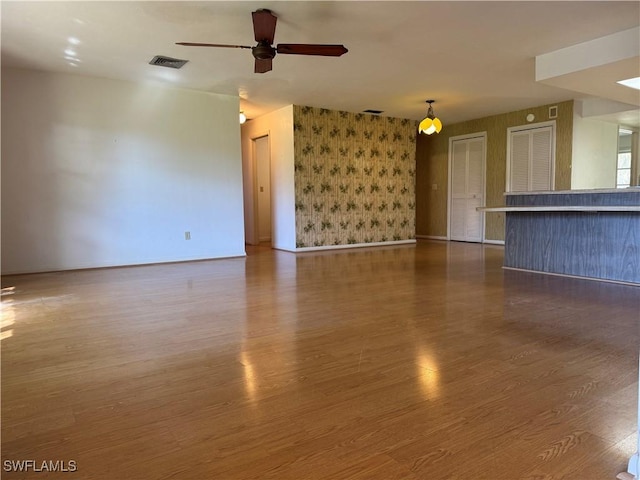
(169, 62)
(374, 112)
(553, 112)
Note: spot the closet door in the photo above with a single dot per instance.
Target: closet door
(458, 190)
(475, 189)
(467, 189)
(531, 159)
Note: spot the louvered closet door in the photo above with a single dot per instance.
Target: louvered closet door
(475, 189)
(467, 189)
(519, 171)
(531, 160)
(458, 190)
(541, 159)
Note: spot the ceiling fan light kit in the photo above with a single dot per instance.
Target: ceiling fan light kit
(430, 124)
(264, 28)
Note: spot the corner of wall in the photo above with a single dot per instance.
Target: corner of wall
(278, 125)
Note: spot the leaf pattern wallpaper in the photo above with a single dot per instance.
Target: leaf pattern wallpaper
(354, 177)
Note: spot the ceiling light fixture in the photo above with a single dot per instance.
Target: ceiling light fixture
(631, 83)
(243, 117)
(431, 123)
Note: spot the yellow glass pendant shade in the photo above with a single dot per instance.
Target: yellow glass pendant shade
(425, 125)
(430, 124)
(437, 124)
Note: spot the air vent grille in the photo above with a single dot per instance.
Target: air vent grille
(169, 62)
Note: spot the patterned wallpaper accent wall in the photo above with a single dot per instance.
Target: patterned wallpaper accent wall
(433, 161)
(354, 177)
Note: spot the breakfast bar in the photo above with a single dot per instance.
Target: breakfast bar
(593, 234)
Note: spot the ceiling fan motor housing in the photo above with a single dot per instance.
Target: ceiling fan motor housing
(263, 51)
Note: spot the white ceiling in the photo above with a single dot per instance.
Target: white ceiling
(474, 58)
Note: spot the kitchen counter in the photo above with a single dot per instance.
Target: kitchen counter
(592, 234)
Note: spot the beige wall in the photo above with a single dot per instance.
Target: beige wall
(432, 166)
(595, 153)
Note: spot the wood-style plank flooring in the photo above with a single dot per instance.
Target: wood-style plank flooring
(413, 362)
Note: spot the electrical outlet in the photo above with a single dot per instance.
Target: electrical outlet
(187, 235)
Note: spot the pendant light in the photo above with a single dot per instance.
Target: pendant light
(431, 123)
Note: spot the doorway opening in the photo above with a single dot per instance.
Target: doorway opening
(262, 189)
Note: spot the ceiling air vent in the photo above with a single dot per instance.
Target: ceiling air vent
(373, 112)
(167, 62)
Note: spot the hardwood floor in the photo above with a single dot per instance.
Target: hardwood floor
(412, 362)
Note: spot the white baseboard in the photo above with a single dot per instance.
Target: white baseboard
(494, 242)
(353, 245)
(146, 263)
(432, 237)
(283, 249)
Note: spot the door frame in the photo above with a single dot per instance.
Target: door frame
(468, 136)
(255, 186)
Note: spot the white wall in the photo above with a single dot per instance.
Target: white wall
(99, 172)
(594, 153)
(279, 126)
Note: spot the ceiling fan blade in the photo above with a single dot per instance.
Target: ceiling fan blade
(190, 44)
(262, 65)
(264, 25)
(310, 49)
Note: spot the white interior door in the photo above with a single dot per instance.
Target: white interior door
(467, 160)
(263, 194)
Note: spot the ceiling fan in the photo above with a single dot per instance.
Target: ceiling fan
(264, 28)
